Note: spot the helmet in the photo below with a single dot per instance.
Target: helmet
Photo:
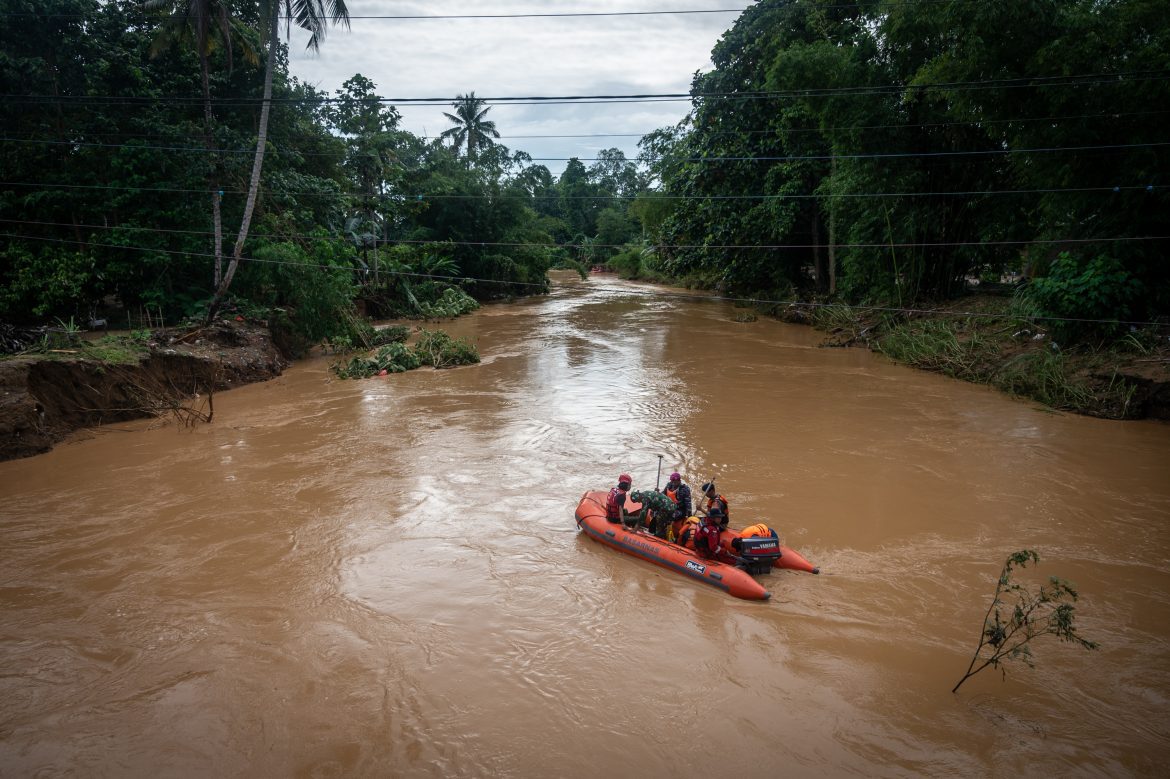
(715, 511)
(625, 479)
(675, 476)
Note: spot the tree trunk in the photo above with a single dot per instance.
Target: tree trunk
(833, 229)
(819, 270)
(209, 143)
(257, 165)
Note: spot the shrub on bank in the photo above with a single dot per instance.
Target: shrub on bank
(439, 350)
(986, 352)
(434, 348)
(1098, 289)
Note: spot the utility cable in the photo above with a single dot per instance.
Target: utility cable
(1031, 82)
(720, 247)
(573, 14)
(785, 158)
(653, 293)
(717, 133)
(425, 17)
(424, 197)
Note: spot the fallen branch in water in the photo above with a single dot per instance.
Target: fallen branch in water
(1009, 628)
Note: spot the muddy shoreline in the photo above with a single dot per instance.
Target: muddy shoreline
(45, 398)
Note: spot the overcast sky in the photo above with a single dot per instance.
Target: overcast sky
(533, 56)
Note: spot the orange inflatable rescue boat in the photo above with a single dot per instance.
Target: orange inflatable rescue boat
(730, 578)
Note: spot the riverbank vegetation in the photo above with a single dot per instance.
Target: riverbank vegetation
(890, 158)
(129, 158)
(161, 163)
(996, 339)
(433, 348)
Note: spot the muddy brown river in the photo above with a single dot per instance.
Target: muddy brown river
(383, 577)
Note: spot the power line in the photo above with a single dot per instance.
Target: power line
(786, 130)
(570, 14)
(424, 17)
(654, 293)
(1029, 82)
(88, 144)
(442, 196)
(720, 247)
(823, 157)
(423, 197)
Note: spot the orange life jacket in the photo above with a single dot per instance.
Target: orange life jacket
(751, 531)
(720, 501)
(682, 530)
(673, 495)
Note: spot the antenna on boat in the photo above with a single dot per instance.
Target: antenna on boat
(659, 476)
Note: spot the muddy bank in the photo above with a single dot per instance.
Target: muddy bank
(45, 397)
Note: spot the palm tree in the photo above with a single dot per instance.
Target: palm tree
(470, 126)
(204, 25)
(313, 16)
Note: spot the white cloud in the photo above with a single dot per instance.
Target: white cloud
(518, 56)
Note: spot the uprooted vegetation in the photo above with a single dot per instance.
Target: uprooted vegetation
(434, 348)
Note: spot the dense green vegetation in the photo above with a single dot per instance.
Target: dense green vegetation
(126, 182)
(873, 152)
(891, 151)
(433, 348)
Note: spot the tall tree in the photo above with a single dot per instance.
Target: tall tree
(204, 25)
(314, 16)
(471, 128)
(371, 140)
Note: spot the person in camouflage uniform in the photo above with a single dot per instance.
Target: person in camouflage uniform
(659, 507)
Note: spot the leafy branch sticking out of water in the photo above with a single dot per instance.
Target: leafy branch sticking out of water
(1017, 615)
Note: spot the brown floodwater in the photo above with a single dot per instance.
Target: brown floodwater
(383, 577)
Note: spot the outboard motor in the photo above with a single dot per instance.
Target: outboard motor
(757, 555)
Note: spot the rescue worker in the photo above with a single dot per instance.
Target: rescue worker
(715, 500)
(615, 504)
(707, 535)
(684, 531)
(680, 494)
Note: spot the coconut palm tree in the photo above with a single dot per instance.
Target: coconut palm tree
(204, 25)
(470, 126)
(314, 16)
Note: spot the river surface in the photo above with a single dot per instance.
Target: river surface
(383, 577)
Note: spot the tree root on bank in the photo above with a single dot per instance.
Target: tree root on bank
(151, 396)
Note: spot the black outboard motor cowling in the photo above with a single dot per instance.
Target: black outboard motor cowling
(757, 555)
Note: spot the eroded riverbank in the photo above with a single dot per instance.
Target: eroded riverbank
(44, 398)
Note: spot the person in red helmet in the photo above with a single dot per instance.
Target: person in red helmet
(615, 504)
(706, 537)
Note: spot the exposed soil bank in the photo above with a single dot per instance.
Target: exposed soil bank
(42, 399)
